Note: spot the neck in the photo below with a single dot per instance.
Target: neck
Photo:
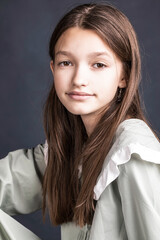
(89, 123)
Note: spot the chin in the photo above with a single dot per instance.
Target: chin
(76, 111)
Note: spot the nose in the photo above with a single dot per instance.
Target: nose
(80, 77)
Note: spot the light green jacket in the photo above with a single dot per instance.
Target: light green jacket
(127, 190)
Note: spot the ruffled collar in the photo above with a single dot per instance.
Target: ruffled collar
(132, 136)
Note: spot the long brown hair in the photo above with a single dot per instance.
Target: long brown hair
(68, 197)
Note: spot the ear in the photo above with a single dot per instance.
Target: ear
(52, 66)
(122, 83)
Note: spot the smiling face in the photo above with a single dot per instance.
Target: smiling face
(86, 73)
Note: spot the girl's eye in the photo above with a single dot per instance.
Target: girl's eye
(99, 65)
(65, 64)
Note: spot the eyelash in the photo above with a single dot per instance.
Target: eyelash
(99, 65)
(68, 63)
(64, 63)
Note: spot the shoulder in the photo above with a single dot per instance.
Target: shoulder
(136, 131)
(138, 186)
(135, 150)
(138, 171)
(141, 149)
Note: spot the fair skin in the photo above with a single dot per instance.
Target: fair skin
(86, 74)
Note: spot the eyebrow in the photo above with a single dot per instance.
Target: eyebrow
(93, 54)
(63, 53)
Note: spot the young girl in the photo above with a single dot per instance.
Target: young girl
(100, 164)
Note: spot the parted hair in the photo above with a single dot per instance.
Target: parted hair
(67, 196)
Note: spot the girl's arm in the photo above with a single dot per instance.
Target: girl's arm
(139, 187)
(20, 180)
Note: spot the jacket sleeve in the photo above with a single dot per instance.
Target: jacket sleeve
(139, 187)
(21, 174)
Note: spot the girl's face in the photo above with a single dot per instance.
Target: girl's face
(86, 73)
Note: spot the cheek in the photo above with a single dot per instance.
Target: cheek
(59, 82)
(62, 80)
(106, 84)
(58, 88)
(106, 88)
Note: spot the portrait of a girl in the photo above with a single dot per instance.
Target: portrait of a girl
(98, 172)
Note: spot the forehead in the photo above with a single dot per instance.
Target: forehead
(78, 40)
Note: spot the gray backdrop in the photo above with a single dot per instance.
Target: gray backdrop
(25, 77)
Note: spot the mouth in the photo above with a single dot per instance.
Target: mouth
(79, 95)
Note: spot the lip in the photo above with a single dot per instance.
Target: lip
(76, 95)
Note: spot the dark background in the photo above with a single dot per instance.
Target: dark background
(25, 77)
